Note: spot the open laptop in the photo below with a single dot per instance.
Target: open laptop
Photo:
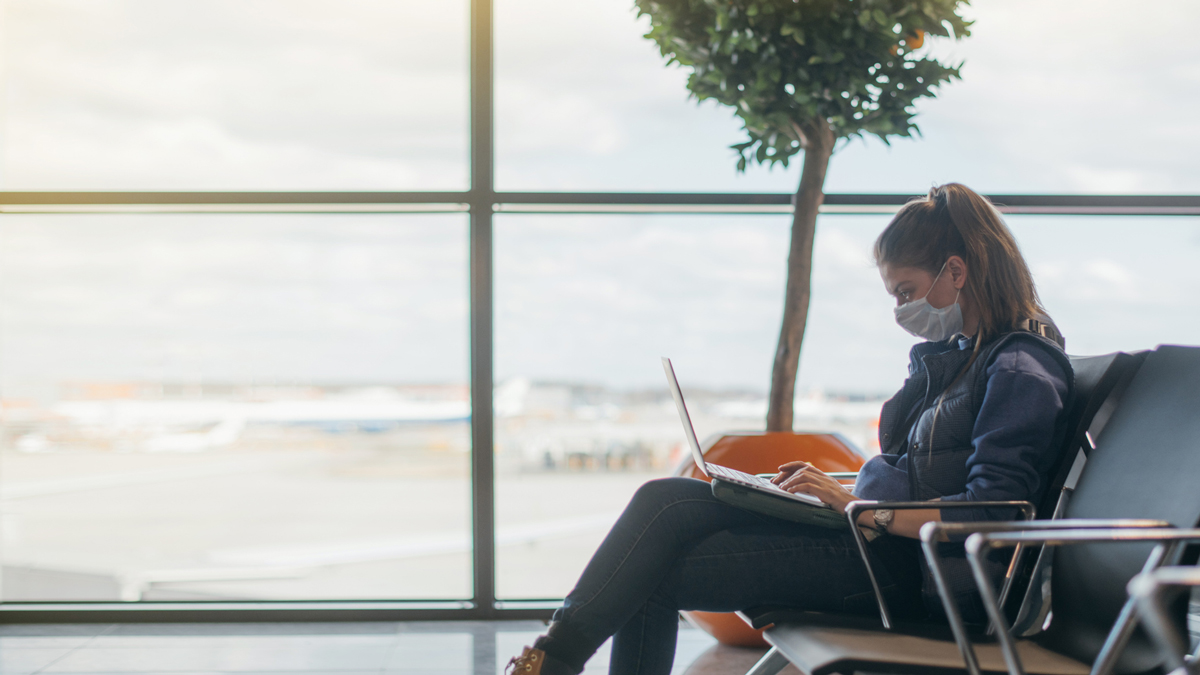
(742, 482)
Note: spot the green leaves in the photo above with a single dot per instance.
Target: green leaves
(786, 65)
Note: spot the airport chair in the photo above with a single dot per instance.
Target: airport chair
(1143, 466)
(1150, 593)
(1071, 638)
(1099, 383)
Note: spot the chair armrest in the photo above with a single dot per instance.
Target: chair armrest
(1167, 576)
(1146, 590)
(978, 544)
(931, 534)
(856, 507)
(936, 529)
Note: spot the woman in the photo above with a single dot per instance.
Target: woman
(980, 418)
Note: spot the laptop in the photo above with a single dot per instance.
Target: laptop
(747, 490)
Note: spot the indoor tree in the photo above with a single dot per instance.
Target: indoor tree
(802, 75)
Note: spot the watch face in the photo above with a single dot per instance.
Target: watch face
(883, 517)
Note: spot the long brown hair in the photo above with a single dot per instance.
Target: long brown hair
(953, 220)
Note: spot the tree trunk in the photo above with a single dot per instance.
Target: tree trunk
(809, 196)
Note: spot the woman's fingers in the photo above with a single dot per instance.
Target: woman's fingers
(812, 483)
(798, 470)
(803, 479)
(814, 470)
(787, 470)
(819, 485)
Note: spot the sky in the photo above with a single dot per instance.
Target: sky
(1064, 97)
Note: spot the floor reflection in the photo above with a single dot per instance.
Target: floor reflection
(442, 648)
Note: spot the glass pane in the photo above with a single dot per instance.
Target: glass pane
(234, 95)
(1077, 96)
(585, 305)
(234, 407)
(1116, 283)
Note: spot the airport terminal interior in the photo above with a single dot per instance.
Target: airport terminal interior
(331, 332)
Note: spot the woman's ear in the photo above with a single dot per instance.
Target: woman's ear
(957, 267)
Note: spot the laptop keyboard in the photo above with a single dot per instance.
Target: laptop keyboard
(740, 477)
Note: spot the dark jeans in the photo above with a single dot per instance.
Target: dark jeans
(676, 547)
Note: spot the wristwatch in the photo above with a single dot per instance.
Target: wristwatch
(883, 519)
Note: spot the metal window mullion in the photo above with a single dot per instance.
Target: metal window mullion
(481, 201)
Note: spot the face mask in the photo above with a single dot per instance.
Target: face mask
(923, 320)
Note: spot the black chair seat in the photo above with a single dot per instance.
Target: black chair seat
(819, 649)
(768, 615)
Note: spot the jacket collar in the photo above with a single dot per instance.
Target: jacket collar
(922, 349)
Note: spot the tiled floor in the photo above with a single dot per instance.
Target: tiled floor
(436, 648)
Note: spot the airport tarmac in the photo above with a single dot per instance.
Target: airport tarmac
(330, 494)
(310, 523)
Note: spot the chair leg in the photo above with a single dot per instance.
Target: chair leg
(772, 662)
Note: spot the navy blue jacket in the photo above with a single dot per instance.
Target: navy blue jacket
(995, 437)
(1026, 393)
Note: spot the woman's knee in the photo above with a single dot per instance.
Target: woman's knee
(667, 490)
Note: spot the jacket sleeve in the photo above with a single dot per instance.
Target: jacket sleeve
(1013, 436)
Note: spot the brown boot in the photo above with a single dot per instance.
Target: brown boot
(528, 663)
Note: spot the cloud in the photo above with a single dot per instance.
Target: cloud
(235, 95)
(1111, 272)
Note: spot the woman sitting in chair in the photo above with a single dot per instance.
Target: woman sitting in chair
(980, 418)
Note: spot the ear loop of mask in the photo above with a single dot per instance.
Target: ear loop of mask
(957, 291)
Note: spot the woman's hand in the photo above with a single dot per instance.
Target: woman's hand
(808, 479)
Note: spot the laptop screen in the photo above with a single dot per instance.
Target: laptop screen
(683, 415)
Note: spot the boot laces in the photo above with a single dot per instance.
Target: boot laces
(523, 663)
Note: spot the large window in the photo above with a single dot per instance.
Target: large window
(234, 95)
(322, 303)
(587, 304)
(229, 407)
(1067, 97)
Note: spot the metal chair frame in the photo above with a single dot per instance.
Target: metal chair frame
(1148, 591)
(774, 661)
(981, 542)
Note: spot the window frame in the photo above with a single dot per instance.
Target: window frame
(480, 202)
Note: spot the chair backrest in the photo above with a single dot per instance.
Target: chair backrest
(1146, 464)
(1100, 381)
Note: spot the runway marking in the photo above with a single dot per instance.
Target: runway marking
(134, 584)
(348, 552)
(62, 486)
(299, 561)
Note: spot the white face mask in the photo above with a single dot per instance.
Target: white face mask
(924, 320)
